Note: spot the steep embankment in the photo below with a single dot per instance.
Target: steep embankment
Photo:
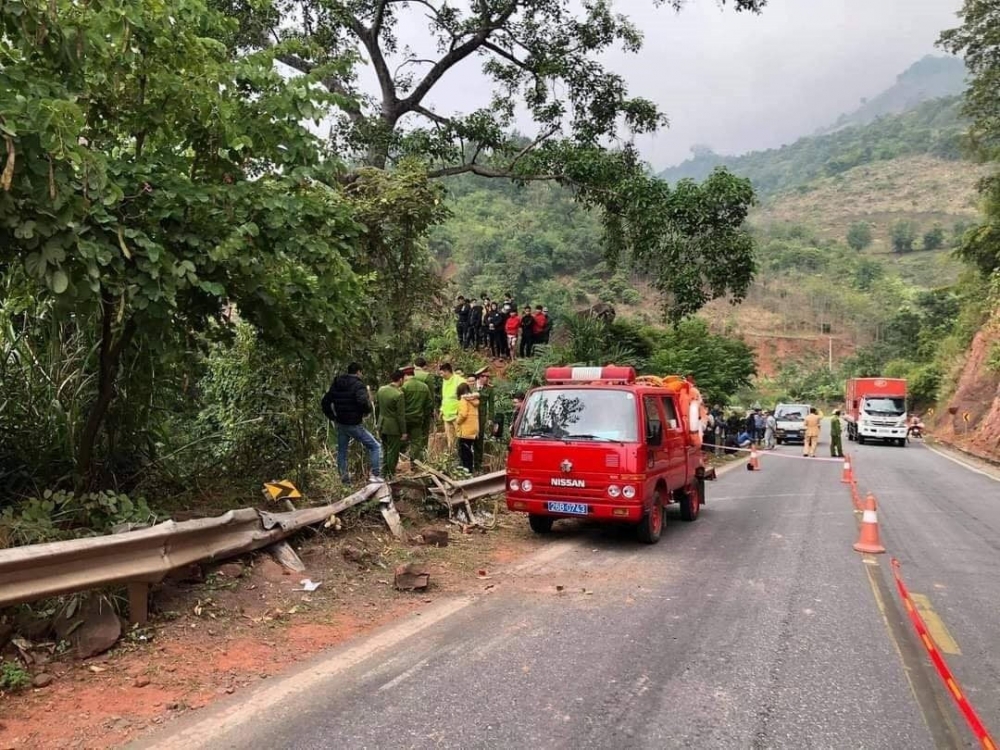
(976, 397)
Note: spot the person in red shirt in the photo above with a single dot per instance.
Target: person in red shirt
(511, 327)
(538, 331)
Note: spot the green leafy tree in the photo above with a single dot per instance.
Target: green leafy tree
(976, 40)
(903, 234)
(859, 236)
(867, 273)
(722, 366)
(934, 238)
(154, 184)
(542, 57)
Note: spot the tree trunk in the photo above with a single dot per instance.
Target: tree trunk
(109, 359)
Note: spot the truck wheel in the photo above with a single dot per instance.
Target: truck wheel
(540, 524)
(779, 441)
(651, 526)
(690, 502)
(861, 439)
(902, 442)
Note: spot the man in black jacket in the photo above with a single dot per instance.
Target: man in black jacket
(462, 313)
(475, 334)
(527, 334)
(346, 404)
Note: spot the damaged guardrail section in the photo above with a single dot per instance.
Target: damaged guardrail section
(139, 558)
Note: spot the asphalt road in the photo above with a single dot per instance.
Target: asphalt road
(755, 627)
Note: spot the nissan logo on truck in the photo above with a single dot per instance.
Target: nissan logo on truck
(560, 482)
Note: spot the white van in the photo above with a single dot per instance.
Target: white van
(791, 422)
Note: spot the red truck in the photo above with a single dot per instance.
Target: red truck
(876, 410)
(601, 443)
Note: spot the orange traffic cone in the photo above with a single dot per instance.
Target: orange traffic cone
(869, 540)
(856, 497)
(754, 464)
(848, 476)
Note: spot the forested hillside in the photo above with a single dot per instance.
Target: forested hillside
(933, 128)
(929, 78)
(855, 230)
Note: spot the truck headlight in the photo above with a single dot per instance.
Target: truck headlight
(514, 485)
(628, 491)
(526, 485)
(614, 490)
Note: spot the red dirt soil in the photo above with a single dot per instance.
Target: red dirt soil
(231, 633)
(773, 351)
(978, 395)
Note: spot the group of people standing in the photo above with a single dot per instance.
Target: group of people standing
(497, 326)
(406, 411)
(760, 426)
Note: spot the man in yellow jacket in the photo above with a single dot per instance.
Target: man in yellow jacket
(467, 424)
(450, 380)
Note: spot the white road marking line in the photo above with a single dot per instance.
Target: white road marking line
(405, 675)
(970, 467)
(210, 731)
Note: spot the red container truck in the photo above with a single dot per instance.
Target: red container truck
(876, 410)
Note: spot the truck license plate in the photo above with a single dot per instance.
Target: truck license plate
(576, 509)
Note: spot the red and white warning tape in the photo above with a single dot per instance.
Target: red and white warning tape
(971, 717)
(761, 452)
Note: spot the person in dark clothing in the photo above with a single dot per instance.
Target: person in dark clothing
(346, 404)
(733, 425)
(462, 312)
(508, 305)
(475, 335)
(518, 402)
(527, 333)
(547, 330)
(750, 425)
(495, 330)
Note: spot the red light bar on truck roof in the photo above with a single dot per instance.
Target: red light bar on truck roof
(609, 374)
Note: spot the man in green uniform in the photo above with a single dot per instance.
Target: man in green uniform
(428, 378)
(836, 447)
(487, 410)
(419, 413)
(392, 420)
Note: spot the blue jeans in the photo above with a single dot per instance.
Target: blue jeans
(344, 434)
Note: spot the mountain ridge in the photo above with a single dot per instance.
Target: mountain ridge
(875, 132)
(931, 77)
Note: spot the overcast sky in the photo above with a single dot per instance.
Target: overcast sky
(739, 82)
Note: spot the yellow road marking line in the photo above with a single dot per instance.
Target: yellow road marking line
(888, 629)
(938, 630)
(941, 722)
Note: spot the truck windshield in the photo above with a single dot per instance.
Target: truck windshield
(794, 413)
(580, 414)
(886, 407)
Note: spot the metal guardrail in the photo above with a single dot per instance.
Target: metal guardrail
(471, 489)
(143, 557)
